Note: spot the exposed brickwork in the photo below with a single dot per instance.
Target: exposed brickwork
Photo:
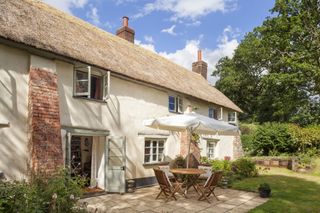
(126, 33)
(194, 150)
(237, 147)
(44, 125)
(201, 68)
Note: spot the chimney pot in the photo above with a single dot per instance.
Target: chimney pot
(200, 67)
(125, 31)
(125, 21)
(199, 55)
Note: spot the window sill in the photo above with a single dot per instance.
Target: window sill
(90, 99)
(156, 164)
(175, 112)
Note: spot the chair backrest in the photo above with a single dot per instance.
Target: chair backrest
(207, 169)
(166, 169)
(214, 179)
(162, 178)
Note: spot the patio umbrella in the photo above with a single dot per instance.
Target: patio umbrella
(193, 123)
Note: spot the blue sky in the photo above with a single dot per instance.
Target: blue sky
(176, 29)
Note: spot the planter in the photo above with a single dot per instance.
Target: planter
(275, 163)
(264, 193)
(284, 163)
(266, 163)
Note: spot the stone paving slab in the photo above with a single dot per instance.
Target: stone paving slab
(143, 200)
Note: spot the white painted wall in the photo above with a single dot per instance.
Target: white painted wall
(122, 115)
(14, 66)
(224, 146)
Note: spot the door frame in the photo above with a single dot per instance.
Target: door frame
(80, 131)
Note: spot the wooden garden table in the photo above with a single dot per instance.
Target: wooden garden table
(192, 176)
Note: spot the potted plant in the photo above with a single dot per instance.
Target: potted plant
(264, 190)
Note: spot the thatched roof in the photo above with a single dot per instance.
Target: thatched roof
(38, 25)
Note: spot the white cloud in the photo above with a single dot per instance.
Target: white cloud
(170, 30)
(67, 5)
(108, 25)
(93, 15)
(227, 43)
(150, 47)
(149, 39)
(187, 9)
(118, 2)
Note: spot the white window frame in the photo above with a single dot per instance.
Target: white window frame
(75, 80)
(105, 83)
(211, 148)
(234, 117)
(158, 140)
(213, 109)
(178, 104)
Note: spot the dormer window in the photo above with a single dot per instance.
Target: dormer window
(175, 104)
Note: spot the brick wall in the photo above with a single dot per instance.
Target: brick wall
(44, 122)
(194, 150)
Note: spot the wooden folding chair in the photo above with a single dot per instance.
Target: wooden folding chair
(167, 188)
(208, 188)
(166, 169)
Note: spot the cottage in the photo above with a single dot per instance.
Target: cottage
(75, 95)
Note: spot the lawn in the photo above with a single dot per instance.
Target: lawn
(291, 192)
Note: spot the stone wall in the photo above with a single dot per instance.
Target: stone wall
(237, 147)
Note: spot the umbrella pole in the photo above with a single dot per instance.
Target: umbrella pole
(189, 139)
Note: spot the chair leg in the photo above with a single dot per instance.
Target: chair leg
(159, 194)
(215, 196)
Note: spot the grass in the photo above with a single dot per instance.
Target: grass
(291, 192)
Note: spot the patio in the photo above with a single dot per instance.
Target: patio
(143, 200)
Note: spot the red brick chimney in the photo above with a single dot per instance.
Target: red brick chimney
(125, 31)
(200, 66)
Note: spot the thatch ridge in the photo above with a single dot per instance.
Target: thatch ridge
(36, 24)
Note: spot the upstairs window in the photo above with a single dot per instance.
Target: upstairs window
(231, 117)
(175, 104)
(153, 150)
(90, 86)
(213, 113)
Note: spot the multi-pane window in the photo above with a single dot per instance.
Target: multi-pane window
(232, 117)
(153, 150)
(88, 85)
(175, 104)
(213, 113)
(210, 149)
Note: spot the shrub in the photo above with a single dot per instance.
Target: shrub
(57, 193)
(179, 162)
(273, 139)
(223, 165)
(205, 160)
(244, 167)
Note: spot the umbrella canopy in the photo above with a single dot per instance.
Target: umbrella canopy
(190, 121)
(193, 122)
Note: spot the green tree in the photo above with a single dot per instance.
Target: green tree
(274, 74)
